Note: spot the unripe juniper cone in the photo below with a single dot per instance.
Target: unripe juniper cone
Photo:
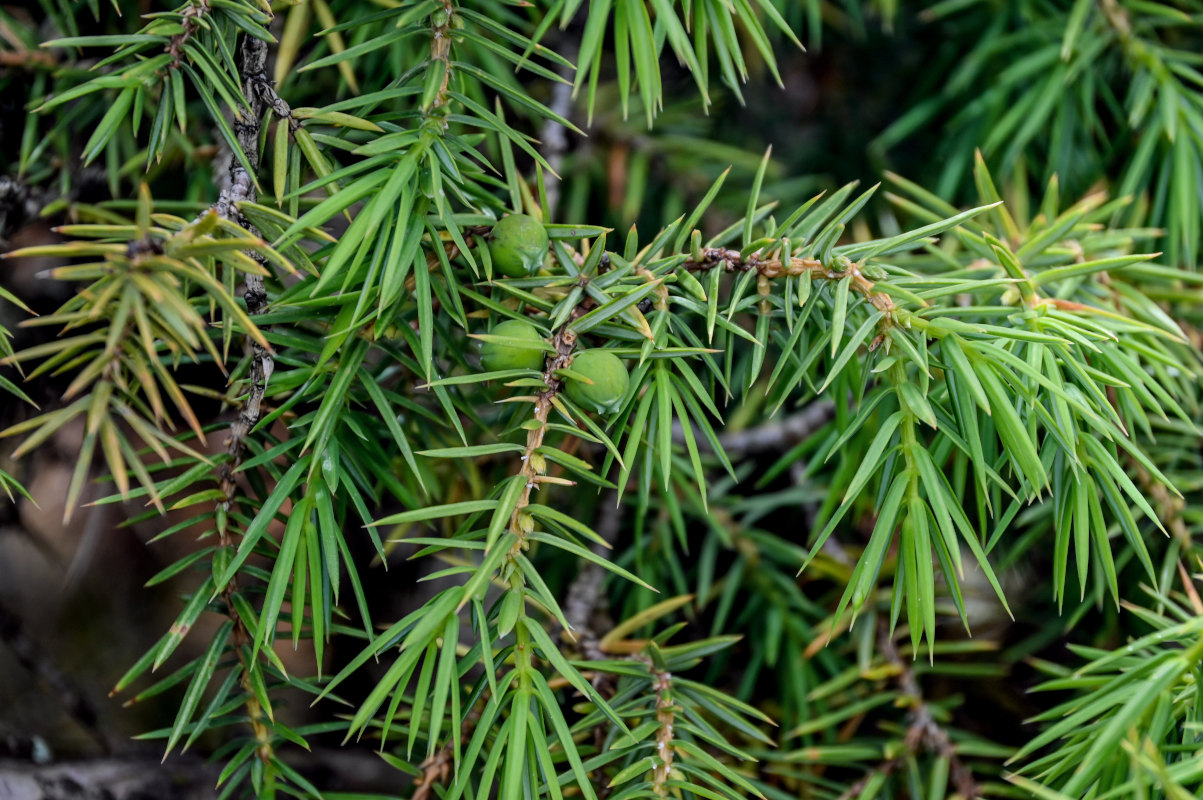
(517, 245)
(497, 356)
(609, 376)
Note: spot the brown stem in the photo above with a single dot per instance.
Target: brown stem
(27, 59)
(440, 51)
(534, 466)
(733, 261)
(241, 188)
(1117, 18)
(191, 22)
(664, 735)
(440, 767)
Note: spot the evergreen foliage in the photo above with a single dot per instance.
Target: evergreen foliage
(860, 426)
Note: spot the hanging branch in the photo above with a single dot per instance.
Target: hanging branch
(242, 188)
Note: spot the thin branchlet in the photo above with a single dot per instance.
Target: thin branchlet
(770, 268)
(190, 24)
(534, 466)
(666, 719)
(440, 53)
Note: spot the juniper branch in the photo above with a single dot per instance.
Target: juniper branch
(242, 188)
